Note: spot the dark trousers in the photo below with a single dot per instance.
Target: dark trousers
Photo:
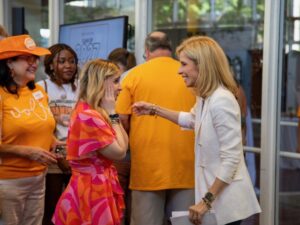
(55, 184)
(123, 169)
(235, 223)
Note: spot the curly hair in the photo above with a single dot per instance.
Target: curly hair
(55, 51)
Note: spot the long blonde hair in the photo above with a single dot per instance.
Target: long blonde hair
(92, 77)
(212, 65)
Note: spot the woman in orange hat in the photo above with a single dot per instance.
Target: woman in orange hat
(27, 126)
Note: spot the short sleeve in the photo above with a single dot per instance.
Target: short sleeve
(88, 132)
(124, 100)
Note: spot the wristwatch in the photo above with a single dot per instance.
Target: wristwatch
(209, 197)
(114, 118)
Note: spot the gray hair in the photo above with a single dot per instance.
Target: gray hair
(154, 42)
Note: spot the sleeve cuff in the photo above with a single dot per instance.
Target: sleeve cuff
(185, 120)
(226, 174)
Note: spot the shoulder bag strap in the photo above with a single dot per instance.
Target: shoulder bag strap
(46, 86)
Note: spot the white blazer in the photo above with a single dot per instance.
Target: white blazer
(219, 154)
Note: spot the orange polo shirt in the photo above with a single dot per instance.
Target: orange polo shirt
(162, 154)
(26, 120)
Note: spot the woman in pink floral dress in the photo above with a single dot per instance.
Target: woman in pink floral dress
(96, 137)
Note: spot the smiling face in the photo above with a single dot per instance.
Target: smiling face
(188, 70)
(23, 68)
(64, 66)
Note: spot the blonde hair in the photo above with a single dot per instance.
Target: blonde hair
(92, 77)
(212, 65)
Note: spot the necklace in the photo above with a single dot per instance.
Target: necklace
(63, 96)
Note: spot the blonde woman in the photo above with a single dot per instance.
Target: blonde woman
(96, 137)
(224, 192)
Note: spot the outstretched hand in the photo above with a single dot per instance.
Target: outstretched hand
(142, 108)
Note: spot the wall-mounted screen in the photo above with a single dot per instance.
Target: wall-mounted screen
(95, 39)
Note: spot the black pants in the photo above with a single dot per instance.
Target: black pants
(235, 223)
(55, 183)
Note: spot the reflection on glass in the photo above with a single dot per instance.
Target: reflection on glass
(36, 23)
(238, 27)
(36, 19)
(289, 176)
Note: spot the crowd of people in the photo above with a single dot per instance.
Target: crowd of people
(115, 143)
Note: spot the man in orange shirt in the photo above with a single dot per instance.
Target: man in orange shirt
(162, 155)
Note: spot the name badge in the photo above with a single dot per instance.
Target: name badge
(37, 95)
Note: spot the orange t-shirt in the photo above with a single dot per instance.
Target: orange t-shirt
(162, 154)
(26, 120)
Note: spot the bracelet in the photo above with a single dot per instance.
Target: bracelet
(153, 110)
(207, 203)
(209, 197)
(114, 118)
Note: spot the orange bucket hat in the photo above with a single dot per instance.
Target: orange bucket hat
(19, 45)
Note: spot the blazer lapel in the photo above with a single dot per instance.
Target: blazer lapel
(202, 111)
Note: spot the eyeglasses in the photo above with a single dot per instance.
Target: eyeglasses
(30, 59)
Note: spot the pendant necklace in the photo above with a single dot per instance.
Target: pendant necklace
(64, 95)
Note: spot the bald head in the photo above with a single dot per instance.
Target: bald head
(157, 34)
(157, 40)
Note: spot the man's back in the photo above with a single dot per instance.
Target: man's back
(162, 155)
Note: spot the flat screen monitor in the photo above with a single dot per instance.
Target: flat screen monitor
(95, 39)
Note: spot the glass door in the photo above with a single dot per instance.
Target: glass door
(289, 124)
(238, 27)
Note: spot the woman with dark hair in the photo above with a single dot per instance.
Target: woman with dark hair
(124, 59)
(61, 67)
(60, 55)
(26, 131)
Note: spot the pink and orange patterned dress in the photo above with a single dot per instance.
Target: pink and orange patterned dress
(94, 195)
